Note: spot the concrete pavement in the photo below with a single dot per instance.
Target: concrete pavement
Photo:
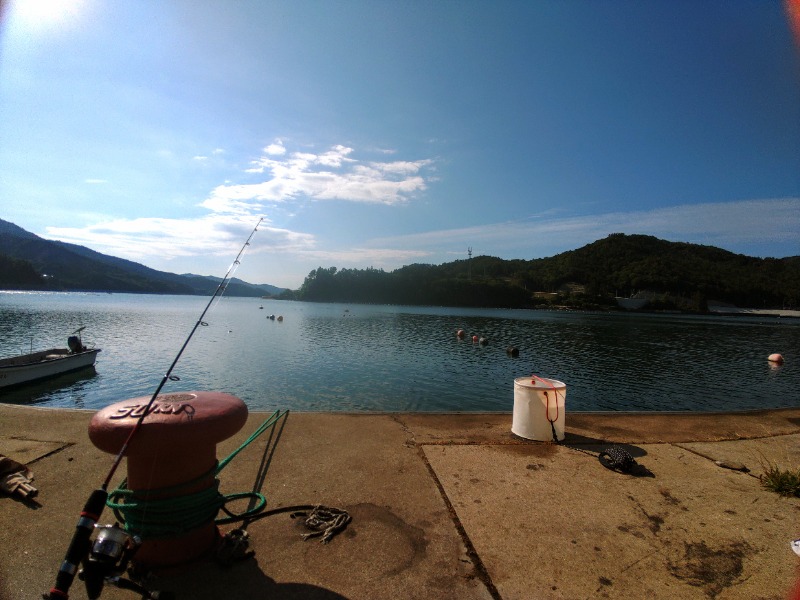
(454, 506)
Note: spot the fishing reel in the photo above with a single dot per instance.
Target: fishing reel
(108, 560)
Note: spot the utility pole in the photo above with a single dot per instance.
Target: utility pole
(469, 262)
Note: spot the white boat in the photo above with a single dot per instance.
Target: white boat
(631, 303)
(46, 363)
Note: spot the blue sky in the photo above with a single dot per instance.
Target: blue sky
(378, 133)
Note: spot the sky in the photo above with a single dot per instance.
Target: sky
(379, 134)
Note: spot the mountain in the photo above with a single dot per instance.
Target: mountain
(670, 275)
(234, 284)
(28, 261)
(10, 229)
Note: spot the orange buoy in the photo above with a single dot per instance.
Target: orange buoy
(474, 338)
(775, 358)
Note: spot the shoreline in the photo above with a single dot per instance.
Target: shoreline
(654, 413)
(756, 312)
(714, 309)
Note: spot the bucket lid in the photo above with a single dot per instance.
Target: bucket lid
(539, 383)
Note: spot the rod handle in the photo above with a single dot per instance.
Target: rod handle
(79, 546)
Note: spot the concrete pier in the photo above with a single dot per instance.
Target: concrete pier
(453, 506)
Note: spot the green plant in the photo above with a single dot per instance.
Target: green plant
(785, 482)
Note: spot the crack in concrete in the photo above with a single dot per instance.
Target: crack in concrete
(480, 569)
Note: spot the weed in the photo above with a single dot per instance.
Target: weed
(785, 482)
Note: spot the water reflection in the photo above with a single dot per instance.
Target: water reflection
(53, 390)
(353, 357)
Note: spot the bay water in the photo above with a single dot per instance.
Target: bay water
(351, 357)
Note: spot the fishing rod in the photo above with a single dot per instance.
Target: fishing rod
(81, 546)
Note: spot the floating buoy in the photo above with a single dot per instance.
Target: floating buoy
(775, 358)
(474, 339)
(483, 341)
(280, 317)
(460, 334)
(512, 351)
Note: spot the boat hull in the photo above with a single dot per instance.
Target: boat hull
(43, 365)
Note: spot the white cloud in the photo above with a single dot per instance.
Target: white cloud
(741, 226)
(400, 167)
(276, 148)
(95, 181)
(335, 157)
(377, 257)
(330, 175)
(146, 238)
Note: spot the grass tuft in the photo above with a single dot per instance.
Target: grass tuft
(785, 482)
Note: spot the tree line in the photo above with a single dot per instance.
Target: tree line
(673, 275)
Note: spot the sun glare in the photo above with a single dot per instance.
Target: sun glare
(44, 14)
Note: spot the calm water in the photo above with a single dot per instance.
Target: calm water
(398, 358)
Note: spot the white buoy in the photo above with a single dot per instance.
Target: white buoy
(775, 358)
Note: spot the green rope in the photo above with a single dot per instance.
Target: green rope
(270, 422)
(168, 512)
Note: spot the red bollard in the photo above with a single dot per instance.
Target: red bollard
(175, 444)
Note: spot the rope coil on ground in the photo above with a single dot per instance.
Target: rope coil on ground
(617, 459)
(324, 521)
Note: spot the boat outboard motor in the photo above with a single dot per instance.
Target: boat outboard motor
(74, 343)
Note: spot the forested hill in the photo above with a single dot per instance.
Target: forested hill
(669, 274)
(29, 262)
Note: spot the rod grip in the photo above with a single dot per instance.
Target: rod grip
(79, 546)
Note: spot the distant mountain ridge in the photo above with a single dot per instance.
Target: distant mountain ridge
(258, 289)
(28, 261)
(669, 275)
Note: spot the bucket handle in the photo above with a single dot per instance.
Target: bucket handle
(547, 403)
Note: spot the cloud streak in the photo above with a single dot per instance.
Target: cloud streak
(166, 239)
(330, 175)
(737, 226)
(742, 226)
(284, 177)
(234, 207)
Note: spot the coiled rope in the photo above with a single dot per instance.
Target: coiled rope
(171, 511)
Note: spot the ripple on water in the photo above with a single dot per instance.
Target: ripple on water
(338, 357)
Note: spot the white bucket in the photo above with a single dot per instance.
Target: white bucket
(537, 402)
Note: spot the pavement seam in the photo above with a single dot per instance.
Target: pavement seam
(412, 440)
(480, 569)
(710, 458)
(64, 446)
